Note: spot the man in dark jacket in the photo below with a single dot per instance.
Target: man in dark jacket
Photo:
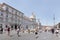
(52, 30)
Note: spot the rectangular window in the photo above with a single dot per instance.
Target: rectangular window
(17, 13)
(6, 15)
(14, 11)
(1, 13)
(6, 19)
(6, 8)
(0, 25)
(10, 10)
(1, 19)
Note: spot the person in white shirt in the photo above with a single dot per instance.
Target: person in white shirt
(18, 32)
(57, 31)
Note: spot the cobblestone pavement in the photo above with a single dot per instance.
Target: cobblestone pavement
(31, 36)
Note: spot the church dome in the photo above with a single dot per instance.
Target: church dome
(33, 16)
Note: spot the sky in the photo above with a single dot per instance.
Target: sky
(43, 9)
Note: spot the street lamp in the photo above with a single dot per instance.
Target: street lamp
(54, 19)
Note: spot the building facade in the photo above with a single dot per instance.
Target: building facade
(12, 17)
(57, 26)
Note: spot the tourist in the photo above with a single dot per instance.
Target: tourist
(36, 33)
(8, 31)
(19, 26)
(18, 32)
(1, 30)
(57, 32)
(6, 27)
(15, 27)
(28, 30)
(22, 29)
(52, 30)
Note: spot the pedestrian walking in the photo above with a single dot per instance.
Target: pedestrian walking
(1, 30)
(8, 31)
(18, 32)
(36, 34)
(57, 32)
(19, 26)
(52, 30)
(6, 27)
(15, 26)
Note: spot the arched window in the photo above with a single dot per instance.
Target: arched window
(1, 13)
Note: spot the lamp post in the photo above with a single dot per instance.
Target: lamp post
(54, 20)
